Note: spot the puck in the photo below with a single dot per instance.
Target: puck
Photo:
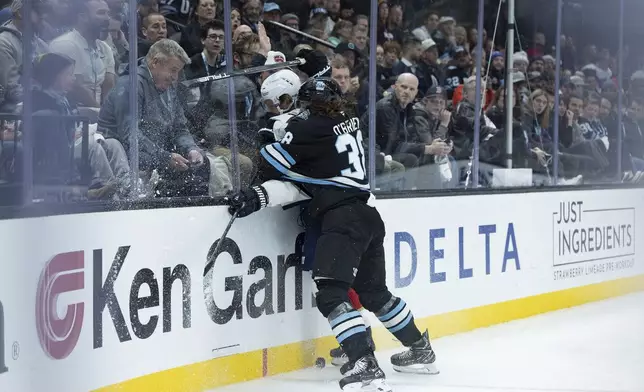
(320, 363)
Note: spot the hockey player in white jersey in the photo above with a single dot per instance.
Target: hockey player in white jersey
(279, 94)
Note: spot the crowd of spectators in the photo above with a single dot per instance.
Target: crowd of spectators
(425, 109)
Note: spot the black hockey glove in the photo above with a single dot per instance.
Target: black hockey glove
(247, 201)
(265, 136)
(316, 64)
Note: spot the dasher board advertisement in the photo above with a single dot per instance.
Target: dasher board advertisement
(118, 300)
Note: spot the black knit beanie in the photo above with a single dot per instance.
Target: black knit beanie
(48, 67)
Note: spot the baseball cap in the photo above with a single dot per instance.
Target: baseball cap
(428, 43)
(287, 17)
(458, 50)
(274, 57)
(577, 80)
(436, 90)
(496, 54)
(270, 7)
(346, 47)
(446, 19)
(319, 11)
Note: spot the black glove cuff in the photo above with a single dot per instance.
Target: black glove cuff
(262, 195)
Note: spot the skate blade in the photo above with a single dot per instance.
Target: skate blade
(429, 368)
(379, 385)
(339, 361)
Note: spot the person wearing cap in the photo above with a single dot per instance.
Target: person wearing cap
(288, 38)
(11, 52)
(444, 34)
(318, 19)
(497, 70)
(432, 74)
(272, 12)
(574, 85)
(458, 71)
(350, 52)
(430, 123)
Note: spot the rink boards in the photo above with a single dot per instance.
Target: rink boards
(118, 302)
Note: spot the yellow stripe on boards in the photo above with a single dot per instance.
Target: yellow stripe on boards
(275, 360)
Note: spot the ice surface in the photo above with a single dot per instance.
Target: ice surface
(595, 347)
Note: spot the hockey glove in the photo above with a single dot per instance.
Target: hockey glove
(316, 64)
(248, 201)
(265, 136)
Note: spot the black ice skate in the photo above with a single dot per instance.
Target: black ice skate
(339, 358)
(420, 358)
(365, 375)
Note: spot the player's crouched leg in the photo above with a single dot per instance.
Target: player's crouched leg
(348, 326)
(338, 356)
(396, 316)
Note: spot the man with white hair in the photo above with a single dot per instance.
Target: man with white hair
(165, 144)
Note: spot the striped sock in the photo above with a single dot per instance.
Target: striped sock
(398, 319)
(349, 329)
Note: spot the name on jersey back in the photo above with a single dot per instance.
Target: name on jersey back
(349, 126)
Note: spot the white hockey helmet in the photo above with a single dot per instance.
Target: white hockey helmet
(281, 89)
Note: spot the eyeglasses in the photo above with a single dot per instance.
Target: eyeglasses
(216, 37)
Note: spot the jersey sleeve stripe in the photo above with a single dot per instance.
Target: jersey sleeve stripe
(278, 162)
(292, 176)
(284, 153)
(276, 155)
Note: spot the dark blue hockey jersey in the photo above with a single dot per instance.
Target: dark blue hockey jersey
(324, 157)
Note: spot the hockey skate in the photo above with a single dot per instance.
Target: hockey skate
(419, 358)
(365, 375)
(339, 358)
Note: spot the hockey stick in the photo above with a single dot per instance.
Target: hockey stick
(214, 254)
(243, 72)
(300, 33)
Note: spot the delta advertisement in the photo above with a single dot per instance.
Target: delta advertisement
(114, 296)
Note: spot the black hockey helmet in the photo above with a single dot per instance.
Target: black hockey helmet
(321, 89)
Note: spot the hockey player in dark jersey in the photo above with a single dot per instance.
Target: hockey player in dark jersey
(321, 158)
(279, 94)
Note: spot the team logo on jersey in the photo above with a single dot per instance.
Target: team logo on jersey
(319, 86)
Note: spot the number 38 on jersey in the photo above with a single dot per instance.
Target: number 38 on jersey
(349, 140)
